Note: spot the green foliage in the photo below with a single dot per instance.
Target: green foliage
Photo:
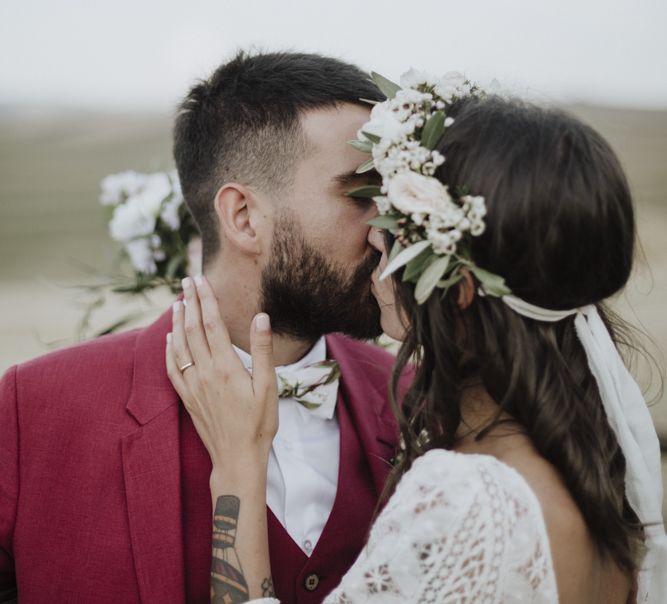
(493, 285)
(433, 130)
(430, 277)
(367, 166)
(374, 138)
(395, 250)
(387, 87)
(367, 191)
(384, 222)
(416, 266)
(403, 257)
(363, 146)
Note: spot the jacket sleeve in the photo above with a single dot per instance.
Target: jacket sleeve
(9, 481)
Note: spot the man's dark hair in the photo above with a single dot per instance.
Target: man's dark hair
(243, 125)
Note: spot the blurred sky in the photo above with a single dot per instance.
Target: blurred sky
(143, 54)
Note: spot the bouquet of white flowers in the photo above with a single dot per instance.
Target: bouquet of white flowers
(148, 217)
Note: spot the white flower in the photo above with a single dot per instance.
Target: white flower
(157, 187)
(418, 218)
(443, 242)
(453, 83)
(475, 209)
(129, 220)
(117, 187)
(476, 201)
(137, 216)
(409, 96)
(382, 203)
(141, 255)
(477, 228)
(412, 193)
(385, 124)
(156, 246)
(463, 225)
(448, 219)
(175, 183)
(413, 78)
(169, 213)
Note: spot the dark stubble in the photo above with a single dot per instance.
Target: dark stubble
(307, 295)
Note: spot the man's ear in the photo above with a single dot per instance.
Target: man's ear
(235, 208)
(466, 289)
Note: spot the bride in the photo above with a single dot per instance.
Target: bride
(530, 468)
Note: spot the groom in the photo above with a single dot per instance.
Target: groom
(104, 493)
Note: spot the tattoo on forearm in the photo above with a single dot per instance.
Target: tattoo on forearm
(228, 584)
(267, 588)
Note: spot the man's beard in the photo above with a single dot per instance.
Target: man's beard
(306, 295)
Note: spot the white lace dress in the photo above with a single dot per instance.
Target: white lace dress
(460, 529)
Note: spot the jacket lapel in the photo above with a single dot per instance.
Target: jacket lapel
(151, 454)
(152, 473)
(365, 385)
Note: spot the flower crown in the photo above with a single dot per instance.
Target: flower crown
(432, 227)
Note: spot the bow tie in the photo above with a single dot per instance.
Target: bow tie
(314, 386)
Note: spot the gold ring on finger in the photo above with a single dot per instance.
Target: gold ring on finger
(182, 369)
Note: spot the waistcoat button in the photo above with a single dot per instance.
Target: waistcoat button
(312, 581)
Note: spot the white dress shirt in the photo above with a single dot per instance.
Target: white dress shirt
(303, 463)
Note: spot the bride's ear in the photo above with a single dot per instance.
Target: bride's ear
(235, 207)
(466, 289)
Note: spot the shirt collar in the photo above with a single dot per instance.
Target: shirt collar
(316, 354)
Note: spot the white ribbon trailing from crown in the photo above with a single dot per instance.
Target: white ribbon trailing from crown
(631, 422)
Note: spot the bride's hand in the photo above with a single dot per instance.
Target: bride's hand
(234, 413)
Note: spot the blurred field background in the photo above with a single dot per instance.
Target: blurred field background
(51, 224)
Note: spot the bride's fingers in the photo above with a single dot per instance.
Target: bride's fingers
(215, 329)
(179, 343)
(173, 372)
(194, 329)
(261, 349)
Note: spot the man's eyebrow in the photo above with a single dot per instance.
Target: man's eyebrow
(351, 177)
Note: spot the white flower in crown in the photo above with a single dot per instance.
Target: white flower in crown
(384, 124)
(414, 77)
(428, 223)
(408, 105)
(382, 203)
(452, 84)
(475, 209)
(413, 193)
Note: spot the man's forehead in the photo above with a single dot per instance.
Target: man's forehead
(329, 126)
(327, 132)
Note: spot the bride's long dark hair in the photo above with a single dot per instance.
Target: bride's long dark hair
(561, 231)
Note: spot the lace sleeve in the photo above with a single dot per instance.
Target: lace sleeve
(459, 529)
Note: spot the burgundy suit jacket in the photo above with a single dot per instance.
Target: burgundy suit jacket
(90, 467)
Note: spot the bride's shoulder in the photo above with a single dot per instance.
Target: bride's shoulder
(460, 511)
(472, 474)
(444, 488)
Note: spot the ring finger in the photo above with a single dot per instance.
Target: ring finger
(179, 341)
